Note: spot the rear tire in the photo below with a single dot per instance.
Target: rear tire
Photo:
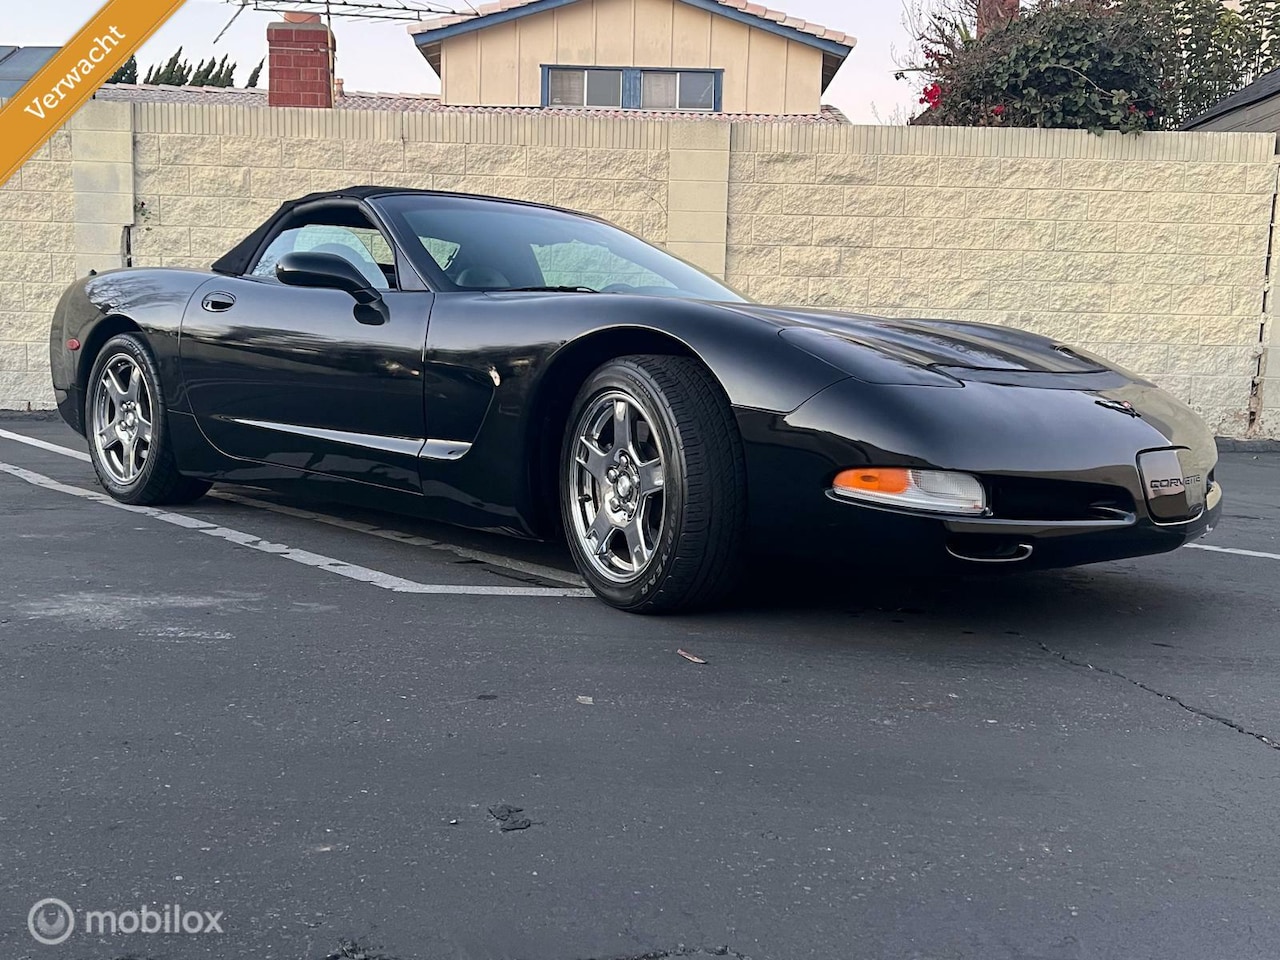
(126, 424)
(653, 485)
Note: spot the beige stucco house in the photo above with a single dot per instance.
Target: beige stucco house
(694, 56)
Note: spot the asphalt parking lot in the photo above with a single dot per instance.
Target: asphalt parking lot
(299, 716)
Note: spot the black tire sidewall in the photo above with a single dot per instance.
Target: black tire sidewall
(133, 346)
(633, 380)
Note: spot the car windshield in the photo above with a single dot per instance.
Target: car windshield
(466, 243)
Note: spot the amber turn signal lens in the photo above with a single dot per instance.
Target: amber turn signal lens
(877, 479)
(937, 491)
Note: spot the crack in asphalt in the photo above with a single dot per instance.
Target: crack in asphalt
(1190, 708)
(352, 950)
(686, 952)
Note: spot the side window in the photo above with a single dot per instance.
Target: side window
(583, 264)
(365, 247)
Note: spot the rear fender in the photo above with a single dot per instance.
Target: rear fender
(150, 301)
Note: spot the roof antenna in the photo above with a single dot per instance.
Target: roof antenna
(234, 16)
(362, 9)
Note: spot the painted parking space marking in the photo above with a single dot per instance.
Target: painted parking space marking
(521, 566)
(319, 561)
(1238, 552)
(44, 445)
(399, 536)
(539, 570)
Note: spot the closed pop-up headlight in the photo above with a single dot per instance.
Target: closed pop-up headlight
(940, 491)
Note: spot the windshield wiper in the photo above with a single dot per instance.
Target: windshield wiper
(545, 290)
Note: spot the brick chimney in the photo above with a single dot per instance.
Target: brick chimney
(300, 56)
(995, 14)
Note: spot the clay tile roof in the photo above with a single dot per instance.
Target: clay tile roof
(164, 93)
(430, 103)
(427, 27)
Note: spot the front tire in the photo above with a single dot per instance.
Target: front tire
(653, 485)
(126, 424)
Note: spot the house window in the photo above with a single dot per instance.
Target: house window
(678, 90)
(631, 88)
(584, 88)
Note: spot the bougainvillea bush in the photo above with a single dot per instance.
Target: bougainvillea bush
(1127, 65)
(1090, 64)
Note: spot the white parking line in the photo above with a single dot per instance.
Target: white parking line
(44, 445)
(351, 571)
(535, 569)
(397, 536)
(1239, 553)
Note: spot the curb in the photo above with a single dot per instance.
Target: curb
(29, 415)
(1228, 445)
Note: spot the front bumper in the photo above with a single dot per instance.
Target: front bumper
(941, 541)
(1051, 439)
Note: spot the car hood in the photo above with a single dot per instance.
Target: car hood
(944, 345)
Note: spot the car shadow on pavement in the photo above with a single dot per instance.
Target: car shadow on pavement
(1110, 606)
(1106, 606)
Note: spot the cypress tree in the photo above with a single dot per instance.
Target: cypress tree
(128, 72)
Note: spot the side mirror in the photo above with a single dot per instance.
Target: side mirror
(332, 272)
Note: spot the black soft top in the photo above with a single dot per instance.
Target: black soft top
(236, 261)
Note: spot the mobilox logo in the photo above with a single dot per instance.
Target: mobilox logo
(51, 921)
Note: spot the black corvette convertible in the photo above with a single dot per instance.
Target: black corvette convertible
(519, 368)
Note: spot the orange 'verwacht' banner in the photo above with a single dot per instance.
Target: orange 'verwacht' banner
(64, 83)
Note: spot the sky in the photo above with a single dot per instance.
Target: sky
(381, 57)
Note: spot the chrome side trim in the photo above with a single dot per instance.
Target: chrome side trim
(405, 446)
(444, 449)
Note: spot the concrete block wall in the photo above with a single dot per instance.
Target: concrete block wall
(1151, 251)
(102, 181)
(1267, 399)
(699, 194)
(63, 213)
(206, 176)
(37, 249)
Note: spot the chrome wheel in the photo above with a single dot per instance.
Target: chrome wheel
(122, 419)
(616, 476)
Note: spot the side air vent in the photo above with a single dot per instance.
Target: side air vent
(1030, 498)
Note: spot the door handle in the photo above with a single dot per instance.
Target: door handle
(218, 302)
